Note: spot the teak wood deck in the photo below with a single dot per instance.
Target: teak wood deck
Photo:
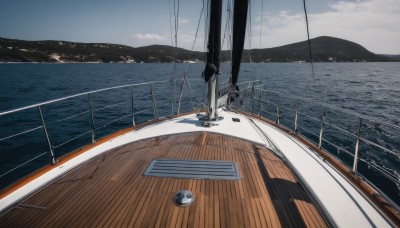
(111, 190)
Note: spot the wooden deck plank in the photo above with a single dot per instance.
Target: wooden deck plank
(253, 208)
(228, 216)
(173, 211)
(161, 204)
(41, 200)
(131, 197)
(111, 190)
(152, 211)
(215, 203)
(107, 201)
(278, 170)
(65, 208)
(185, 218)
(112, 210)
(282, 199)
(181, 210)
(169, 206)
(244, 210)
(184, 212)
(32, 215)
(222, 212)
(302, 208)
(209, 219)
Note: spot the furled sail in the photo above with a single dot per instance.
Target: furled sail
(239, 33)
(211, 71)
(214, 41)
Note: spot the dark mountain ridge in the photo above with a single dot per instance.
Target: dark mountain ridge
(324, 49)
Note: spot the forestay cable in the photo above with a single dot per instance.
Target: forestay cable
(185, 77)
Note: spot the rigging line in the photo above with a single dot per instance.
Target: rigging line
(230, 35)
(173, 54)
(205, 48)
(170, 26)
(213, 47)
(249, 31)
(198, 25)
(176, 15)
(229, 45)
(206, 25)
(227, 23)
(194, 42)
(226, 35)
(250, 46)
(262, 13)
(309, 44)
(177, 24)
(195, 36)
(225, 30)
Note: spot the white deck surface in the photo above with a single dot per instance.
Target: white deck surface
(339, 200)
(343, 203)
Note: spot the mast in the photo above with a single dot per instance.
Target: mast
(211, 71)
(239, 33)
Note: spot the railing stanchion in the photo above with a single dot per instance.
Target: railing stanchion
(321, 132)
(133, 110)
(154, 101)
(173, 91)
(259, 103)
(53, 160)
(92, 119)
(190, 93)
(253, 94)
(277, 110)
(296, 117)
(181, 93)
(357, 146)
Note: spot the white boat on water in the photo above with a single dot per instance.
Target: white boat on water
(221, 165)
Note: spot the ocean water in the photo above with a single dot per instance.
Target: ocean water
(370, 89)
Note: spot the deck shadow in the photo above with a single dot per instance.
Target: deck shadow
(283, 193)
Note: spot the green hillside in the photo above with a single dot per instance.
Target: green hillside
(324, 49)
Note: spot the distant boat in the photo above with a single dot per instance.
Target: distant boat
(192, 61)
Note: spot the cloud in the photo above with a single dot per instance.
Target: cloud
(372, 23)
(187, 41)
(183, 21)
(149, 37)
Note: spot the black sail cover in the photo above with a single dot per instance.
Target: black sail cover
(214, 41)
(239, 33)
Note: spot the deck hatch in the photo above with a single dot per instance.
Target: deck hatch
(193, 169)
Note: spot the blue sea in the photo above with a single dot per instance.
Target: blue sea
(369, 89)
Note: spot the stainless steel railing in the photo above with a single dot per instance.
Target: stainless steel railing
(367, 146)
(261, 101)
(90, 111)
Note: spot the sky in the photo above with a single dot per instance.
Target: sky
(374, 24)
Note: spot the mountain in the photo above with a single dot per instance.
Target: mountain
(324, 49)
(12, 50)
